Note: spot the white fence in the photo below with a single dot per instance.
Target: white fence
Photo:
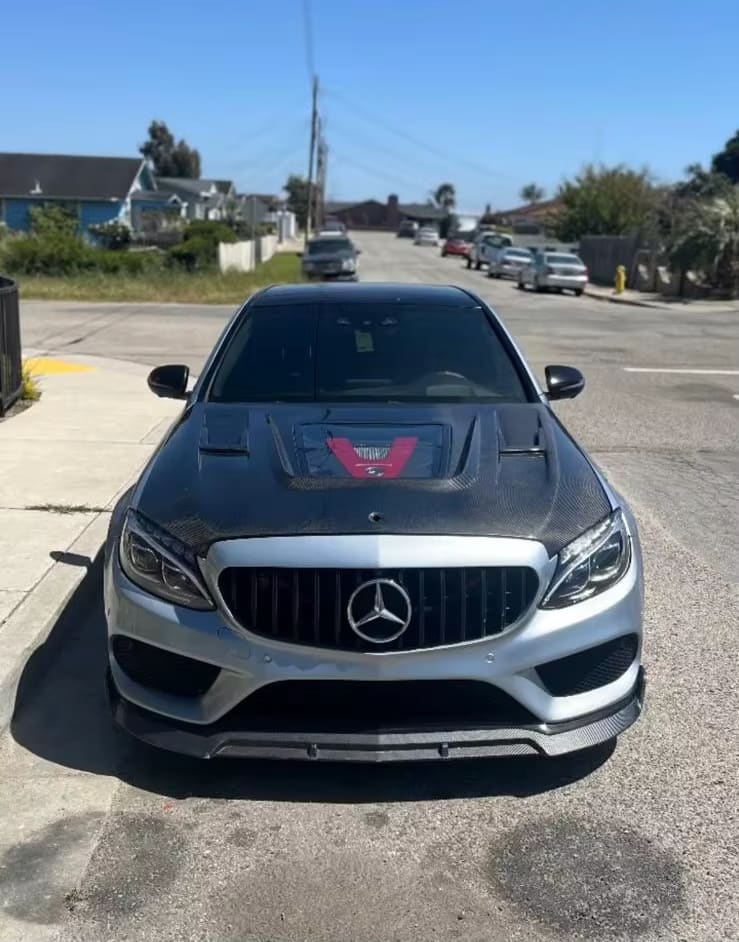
(245, 256)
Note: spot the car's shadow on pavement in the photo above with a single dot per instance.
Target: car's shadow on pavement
(62, 715)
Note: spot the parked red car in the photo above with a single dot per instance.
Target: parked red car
(458, 244)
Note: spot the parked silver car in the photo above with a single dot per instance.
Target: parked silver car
(508, 262)
(426, 235)
(368, 537)
(556, 271)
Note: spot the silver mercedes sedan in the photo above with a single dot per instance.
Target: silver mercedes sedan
(368, 537)
(554, 271)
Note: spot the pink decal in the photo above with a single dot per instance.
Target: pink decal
(390, 467)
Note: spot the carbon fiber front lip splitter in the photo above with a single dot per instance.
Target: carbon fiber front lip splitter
(552, 739)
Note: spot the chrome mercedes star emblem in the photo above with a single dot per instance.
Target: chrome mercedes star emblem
(382, 615)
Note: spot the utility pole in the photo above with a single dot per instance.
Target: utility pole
(320, 215)
(311, 156)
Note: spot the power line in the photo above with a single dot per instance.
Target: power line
(374, 172)
(455, 159)
(371, 143)
(308, 32)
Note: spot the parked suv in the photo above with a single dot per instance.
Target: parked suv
(368, 537)
(331, 256)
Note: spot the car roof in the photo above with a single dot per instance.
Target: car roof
(441, 295)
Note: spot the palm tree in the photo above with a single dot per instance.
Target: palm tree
(531, 193)
(445, 197)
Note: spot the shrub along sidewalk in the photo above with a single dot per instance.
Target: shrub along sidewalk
(205, 287)
(53, 263)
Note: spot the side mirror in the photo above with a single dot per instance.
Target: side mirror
(169, 382)
(358, 251)
(564, 382)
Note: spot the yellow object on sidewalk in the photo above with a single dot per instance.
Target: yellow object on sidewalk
(47, 366)
(620, 279)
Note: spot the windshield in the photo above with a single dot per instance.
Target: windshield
(366, 353)
(330, 246)
(563, 260)
(517, 253)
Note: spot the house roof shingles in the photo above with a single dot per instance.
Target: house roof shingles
(65, 176)
(194, 187)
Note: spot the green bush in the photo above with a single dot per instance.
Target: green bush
(67, 255)
(53, 219)
(209, 229)
(199, 246)
(112, 235)
(194, 254)
(54, 254)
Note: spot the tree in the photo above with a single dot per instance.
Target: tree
(531, 193)
(170, 159)
(703, 231)
(606, 201)
(726, 161)
(701, 183)
(445, 197)
(297, 198)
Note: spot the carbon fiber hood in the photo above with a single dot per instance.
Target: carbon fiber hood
(229, 471)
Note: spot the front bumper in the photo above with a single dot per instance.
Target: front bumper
(223, 740)
(246, 663)
(331, 275)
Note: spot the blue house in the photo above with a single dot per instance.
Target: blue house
(95, 189)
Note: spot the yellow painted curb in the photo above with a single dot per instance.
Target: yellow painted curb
(46, 366)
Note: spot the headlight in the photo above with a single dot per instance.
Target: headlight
(347, 264)
(592, 563)
(157, 562)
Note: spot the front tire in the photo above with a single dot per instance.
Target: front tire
(478, 265)
(578, 292)
(469, 263)
(521, 286)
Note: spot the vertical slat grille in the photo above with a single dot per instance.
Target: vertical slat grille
(448, 605)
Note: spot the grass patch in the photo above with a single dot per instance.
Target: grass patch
(206, 287)
(30, 389)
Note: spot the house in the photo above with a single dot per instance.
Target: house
(95, 189)
(204, 199)
(371, 214)
(536, 213)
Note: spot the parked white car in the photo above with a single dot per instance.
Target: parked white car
(485, 246)
(556, 271)
(426, 235)
(508, 262)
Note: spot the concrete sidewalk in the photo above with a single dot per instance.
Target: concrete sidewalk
(63, 463)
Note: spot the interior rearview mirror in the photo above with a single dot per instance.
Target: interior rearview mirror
(169, 382)
(564, 382)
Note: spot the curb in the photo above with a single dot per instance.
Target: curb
(60, 598)
(617, 300)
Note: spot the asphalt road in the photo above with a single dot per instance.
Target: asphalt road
(113, 843)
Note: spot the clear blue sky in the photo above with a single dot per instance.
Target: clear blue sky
(500, 93)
